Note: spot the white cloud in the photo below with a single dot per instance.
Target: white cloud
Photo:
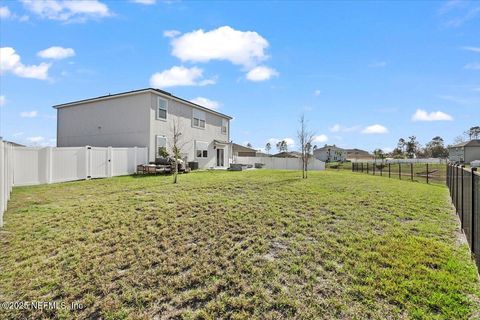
(36, 139)
(10, 62)
(147, 2)
(472, 66)
(29, 114)
(5, 13)
(17, 134)
(317, 92)
(261, 73)
(422, 115)
(67, 10)
(339, 128)
(473, 49)
(375, 129)
(320, 138)
(205, 102)
(56, 53)
(171, 33)
(378, 64)
(3, 100)
(246, 48)
(179, 76)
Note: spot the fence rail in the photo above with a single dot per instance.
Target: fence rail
(420, 172)
(464, 186)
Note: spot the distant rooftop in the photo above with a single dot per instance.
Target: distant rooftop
(471, 143)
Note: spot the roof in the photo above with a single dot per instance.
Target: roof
(288, 154)
(358, 150)
(329, 147)
(238, 147)
(153, 90)
(14, 143)
(471, 143)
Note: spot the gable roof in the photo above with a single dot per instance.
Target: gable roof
(238, 147)
(471, 143)
(156, 91)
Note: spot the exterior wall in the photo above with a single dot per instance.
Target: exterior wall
(472, 153)
(115, 122)
(182, 114)
(335, 154)
(456, 154)
(246, 154)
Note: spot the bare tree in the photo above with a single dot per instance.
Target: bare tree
(177, 145)
(305, 138)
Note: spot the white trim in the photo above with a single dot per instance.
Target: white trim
(158, 107)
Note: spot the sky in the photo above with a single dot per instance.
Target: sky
(364, 74)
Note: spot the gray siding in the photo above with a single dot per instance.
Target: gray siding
(115, 122)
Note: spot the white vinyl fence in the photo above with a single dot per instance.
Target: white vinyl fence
(281, 163)
(23, 166)
(6, 175)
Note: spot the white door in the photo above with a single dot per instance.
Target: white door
(220, 157)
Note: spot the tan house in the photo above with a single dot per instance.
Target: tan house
(465, 152)
(145, 118)
(358, 154)
(242, 151)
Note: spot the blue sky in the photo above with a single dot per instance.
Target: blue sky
(363, 73)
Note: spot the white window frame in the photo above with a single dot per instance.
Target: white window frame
(203, 151)
(158, 108)
(156, 144)
(224, 125)
(199, 119)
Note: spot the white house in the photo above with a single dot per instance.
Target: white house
(330, 153)
(145, 118)
(465, 152)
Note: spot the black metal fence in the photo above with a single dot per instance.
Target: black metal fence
(464, 186)
(420, 172)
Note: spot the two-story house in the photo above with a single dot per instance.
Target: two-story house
(146, 118)
(330, 154)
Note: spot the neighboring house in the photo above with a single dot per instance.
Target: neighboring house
(145, 118)
(242, 151)
(288, 154)
(465, 152)
(330, 154)
(358, 154)
(13, 143)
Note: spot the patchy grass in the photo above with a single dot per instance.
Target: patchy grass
(238, 245)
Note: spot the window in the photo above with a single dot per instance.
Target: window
(161, 146)
(201, 149)
(162, 109)
(224, 126)
(198, 119)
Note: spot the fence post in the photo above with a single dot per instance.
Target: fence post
(87, 162)
(2, 179)
(461, 193)
(399, 171)
(362, 167)
(473, 170)
(411, 171)
(381, 168)
(49, 165)
(135, 159)
(427, 173)
(367, 167)
(109, 162)
(374, 165)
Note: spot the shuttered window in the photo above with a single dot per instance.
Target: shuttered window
(162, 106)
(198, 118)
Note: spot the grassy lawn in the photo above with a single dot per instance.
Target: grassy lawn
(238, 245)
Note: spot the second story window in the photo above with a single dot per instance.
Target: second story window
(198, 119)
(224, 126)
(162, 106)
